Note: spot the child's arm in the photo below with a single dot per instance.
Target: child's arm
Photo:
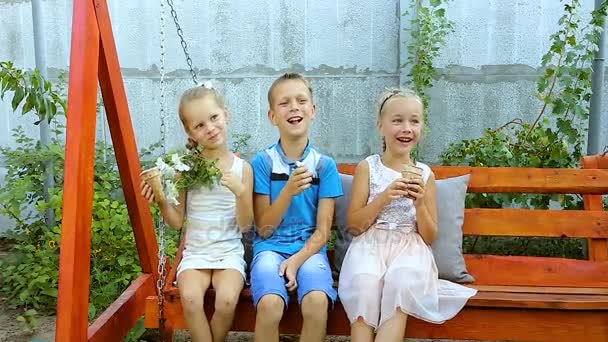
(173, 215)
(318, 239)
(268, 216)
(242, 188)
(361, 215)
(426, 208)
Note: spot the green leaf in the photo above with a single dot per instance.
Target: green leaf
(572, 40)
(29, 103)
(122, 260)
(17, 98)
(559, 106)
(30, 312)
(52, 292)
(92, 311)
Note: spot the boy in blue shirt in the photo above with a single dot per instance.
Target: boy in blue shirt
(294, 194)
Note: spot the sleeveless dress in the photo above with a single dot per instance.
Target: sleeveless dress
(213, 239)
(390, 267)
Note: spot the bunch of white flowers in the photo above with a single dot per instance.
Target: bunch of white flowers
(168, 173)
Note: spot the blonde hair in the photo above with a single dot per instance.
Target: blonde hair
(393, 93)
(286, 77)
(196, 93)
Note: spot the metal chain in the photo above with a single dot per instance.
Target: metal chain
(162, 258)
(180, 33)
(160, 283)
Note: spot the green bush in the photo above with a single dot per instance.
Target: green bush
(553, 140)
(30, 273)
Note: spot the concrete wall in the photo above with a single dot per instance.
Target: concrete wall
(351, 49)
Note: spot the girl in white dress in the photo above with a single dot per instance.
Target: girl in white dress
(389, 271)
(214, 219)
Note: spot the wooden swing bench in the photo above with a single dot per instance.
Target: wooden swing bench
(520, 297)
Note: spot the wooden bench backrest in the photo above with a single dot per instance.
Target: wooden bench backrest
(536, 271)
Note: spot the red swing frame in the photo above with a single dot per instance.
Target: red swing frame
(94, 57)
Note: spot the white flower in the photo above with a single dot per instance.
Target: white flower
(165, 169)
(206, 84)
(171, 192)
(177, 163)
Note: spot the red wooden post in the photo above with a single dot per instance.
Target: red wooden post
(123, 138)
(75, 255)
(598, 248)
(93, 56)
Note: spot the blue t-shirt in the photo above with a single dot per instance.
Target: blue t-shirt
(271, 170)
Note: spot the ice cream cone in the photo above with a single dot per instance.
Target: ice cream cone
(410, 172)
(152, 177)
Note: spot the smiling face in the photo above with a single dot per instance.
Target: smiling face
(291, 108)
(401, 123)
(205, 121)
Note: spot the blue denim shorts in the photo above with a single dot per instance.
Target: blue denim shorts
(313, 275)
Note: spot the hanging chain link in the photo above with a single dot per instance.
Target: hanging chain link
(162, 258)
(160, 283)
(180, 33)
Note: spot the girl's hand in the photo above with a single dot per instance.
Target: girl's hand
(416, 190)
(299, 181)
(233, 183)
(146, 191)
(397, 189)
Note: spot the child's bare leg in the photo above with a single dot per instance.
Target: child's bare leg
(361, 332)
(228, 284)
(314, 314)
(393, 329)
(269, 313)
(192, 287)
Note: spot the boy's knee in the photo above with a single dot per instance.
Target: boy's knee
(270, 308)
(225, 303)
(314, 304)
(265, 263)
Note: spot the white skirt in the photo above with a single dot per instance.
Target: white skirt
(212, 245)
(385, 270)
(201, 262)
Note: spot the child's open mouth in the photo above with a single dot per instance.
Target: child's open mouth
(295, 120)
(405, 140)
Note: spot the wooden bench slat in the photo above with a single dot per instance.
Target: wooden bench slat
(540, 300)
(536, 271)
(522, 180)
(116, 321)
(512, 300)
(499, 324)
(541, 289)
(540, 297)
(547, 223)
(173, 293)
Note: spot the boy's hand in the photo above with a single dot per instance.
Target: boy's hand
(397, 189)
(233, 183)
(289, 269)
(299, 181)
(415, 189)
(146, 191)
